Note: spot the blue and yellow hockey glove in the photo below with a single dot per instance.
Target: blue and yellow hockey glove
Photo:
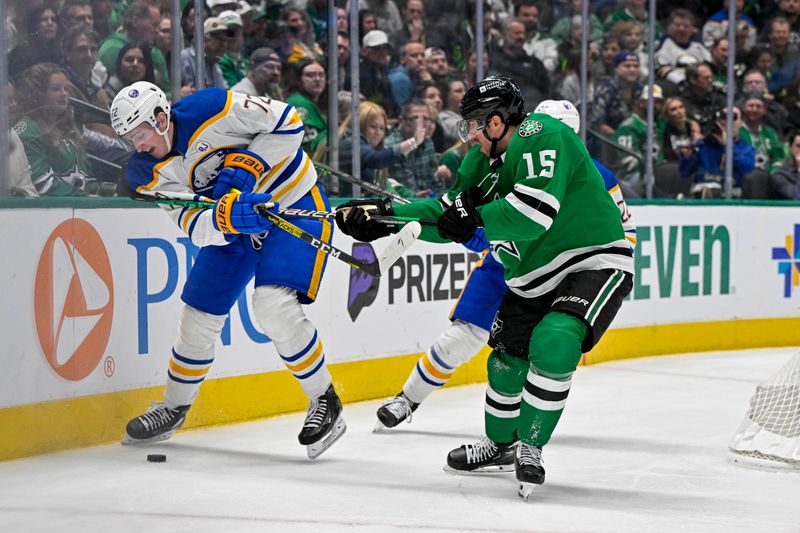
(242, 168)
(235, 213)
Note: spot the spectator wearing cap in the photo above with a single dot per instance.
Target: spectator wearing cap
(632, 135)
(232, 64)
(405, 77)
(436, 64)
(140, 22)
(374, 73)
(298, 41)
(308, 93)
(511, 60)
(679, 41)
(699, 93)
(248, 13)
(218, 6)
(263, 76)
(777, 116)
(615, 99)
(215, 42)
(769, 148)
(786, 179)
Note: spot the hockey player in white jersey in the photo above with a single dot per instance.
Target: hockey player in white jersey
(472, 316)
(242, 151)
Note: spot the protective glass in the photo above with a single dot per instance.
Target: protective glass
(468, 129)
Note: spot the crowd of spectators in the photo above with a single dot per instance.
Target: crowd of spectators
(68, 58)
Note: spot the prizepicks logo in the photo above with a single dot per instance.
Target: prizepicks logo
(788, 258)
(363, 287)
(73, 299)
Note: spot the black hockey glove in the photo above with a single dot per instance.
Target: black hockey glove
(353, 218)
(459, 221)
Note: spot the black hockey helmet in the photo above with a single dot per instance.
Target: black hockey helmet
(495, 95)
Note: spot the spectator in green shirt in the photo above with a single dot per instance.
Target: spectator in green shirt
(233, 65)
(309, 95)
(140, 22)
(769, 149)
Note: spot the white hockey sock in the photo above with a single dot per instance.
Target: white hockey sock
(456, 344)
(281, 317)
(192, 355)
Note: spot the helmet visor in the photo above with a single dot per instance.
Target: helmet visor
(469, 128)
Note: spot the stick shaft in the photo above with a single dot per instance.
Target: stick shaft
(367, 186)
(190, 200)
(370, 268)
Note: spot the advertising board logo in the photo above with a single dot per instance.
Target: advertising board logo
(73, 299)
(788, 258)
(363, 288)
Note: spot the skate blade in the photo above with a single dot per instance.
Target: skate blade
(525, 490)
(380, 427)
(127, 439)
(485, 471)
(316, 449)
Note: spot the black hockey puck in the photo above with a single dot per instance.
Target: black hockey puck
(156, 458)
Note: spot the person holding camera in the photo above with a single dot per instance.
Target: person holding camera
(705, 161)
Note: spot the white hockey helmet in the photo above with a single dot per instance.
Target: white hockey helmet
(135, 104)
(562, 110)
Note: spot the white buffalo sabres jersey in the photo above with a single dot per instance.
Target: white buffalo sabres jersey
(208, 125)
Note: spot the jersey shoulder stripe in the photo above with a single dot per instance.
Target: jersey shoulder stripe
(210, 106)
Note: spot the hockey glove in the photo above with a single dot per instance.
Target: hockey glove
(353, 218)
(477, 243)
(241, 170)
(236, 213)
(459, 221)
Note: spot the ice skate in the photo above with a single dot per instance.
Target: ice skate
(158, 423)
(394, 411)
(529, 469)
(485, 456)
(324, 424)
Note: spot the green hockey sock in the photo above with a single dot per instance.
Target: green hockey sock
(506, 379)
(555, 351)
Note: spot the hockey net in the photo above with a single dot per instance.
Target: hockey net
(769, 436)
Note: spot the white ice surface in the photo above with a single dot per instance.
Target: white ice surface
(641, 448)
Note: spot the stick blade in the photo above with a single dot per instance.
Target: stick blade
(401, 241)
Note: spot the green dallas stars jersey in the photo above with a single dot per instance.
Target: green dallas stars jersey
(55, 170)
(550, 213)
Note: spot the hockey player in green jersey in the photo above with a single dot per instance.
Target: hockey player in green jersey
(544, 208)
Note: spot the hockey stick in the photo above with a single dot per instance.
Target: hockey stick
(187, 199)
(391, 253)
(367, 186)
(398, 244)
